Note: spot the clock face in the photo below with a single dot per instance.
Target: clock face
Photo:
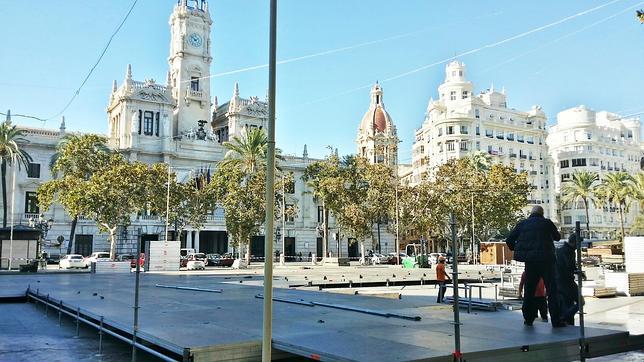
(195, 40)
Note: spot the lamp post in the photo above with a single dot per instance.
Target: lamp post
(278, 235)
(44, 226)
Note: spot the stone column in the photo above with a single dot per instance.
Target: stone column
(189, 239)
(196, 241)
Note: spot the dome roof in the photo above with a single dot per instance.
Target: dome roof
(376, 119)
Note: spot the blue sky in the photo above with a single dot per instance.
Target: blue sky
(596, 59)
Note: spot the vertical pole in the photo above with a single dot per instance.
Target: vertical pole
(100, 339)
(13, 201)
(582, 332)
(474, 252)
(167, 209)
(397, 229)
(267, 323)
(457, 322)
(282, 258)
(135, 327)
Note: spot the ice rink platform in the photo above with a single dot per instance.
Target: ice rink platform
(187, 325)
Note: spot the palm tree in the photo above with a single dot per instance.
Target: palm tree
(616, 188)
(580, 187)
(480, 160)
(637, 189)
(78, 156)
(247, 152)
(11, 154)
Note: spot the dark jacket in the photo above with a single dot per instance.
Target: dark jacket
(533, 239)
(566, 273)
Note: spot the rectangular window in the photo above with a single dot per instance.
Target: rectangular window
(510, 136)
(564, 163)
(450, 130)
(567, 220)
(577, 162)
(478, 145)
(463, 146)
(499, 135)
(520, 138)
(464, 95)
(320, 214)
(565, 176)
(33, 170)
(31, 203)
(464, 130)
(478, 129)
(489, 133)
(477, 113)
(629, 134)
(589, 135)
(530, 140)
(450, 145)
(194, 84)
(440, 131)
(156, 125)
(148, 123)
(452, 95)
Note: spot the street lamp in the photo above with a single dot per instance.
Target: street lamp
(44, 226)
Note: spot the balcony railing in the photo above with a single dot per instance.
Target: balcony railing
(512, 155)
(195, 94)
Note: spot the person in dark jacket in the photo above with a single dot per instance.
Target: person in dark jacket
(566, 286)
(532, 241)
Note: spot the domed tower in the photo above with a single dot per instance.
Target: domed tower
(456, 86)
(377, 140)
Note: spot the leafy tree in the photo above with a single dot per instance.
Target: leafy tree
(325, 178)
(381, 193)
(581, 187)
(77, 157)
(11, 154)
(615, 189)
(480, 161)
(248, 152)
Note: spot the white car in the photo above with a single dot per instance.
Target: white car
(196, 264)
(98, 256)
(379, 259)
(71, 261)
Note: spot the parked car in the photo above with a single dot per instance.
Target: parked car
(378, 258)
(98, 256)
(194, 262)
(186, 251)
(124, 257)
(141, 261)
(53, 259)
(433, 257)
(194, 256)
(71, 261)
(393, 259)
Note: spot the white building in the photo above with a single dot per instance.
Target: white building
(460, 122)
(176, 123)
(601, 142)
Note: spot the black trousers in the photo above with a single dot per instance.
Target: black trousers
(542, 306)
(441, 292)
(533, 272)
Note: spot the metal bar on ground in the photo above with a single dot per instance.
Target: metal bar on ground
(189, 288)
(291, 301)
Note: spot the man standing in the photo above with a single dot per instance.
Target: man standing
(568, 292)
(441, 276)
(532, 241)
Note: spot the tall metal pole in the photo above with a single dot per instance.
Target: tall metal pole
(457, 321)
(582, 332)
(283, 256)
(397, 229)
(13, 202)
(473, 242)
(167, 208)
(267, 330)
(135, 327)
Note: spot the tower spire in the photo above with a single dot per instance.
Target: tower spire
(128, 73)
(62, 125)
(305, 154)
(114, 86)
(236, 90)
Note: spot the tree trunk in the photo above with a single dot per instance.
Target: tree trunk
(3, 167)
(113, 243)
(621, 221)
(587, 217)
(72, 233)
(248, 253)
(363, 260)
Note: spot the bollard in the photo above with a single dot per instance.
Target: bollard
(100, 339)
(496, 293)
(421, 281)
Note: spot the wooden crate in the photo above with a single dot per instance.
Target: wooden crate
(495, 253)
(631, 284)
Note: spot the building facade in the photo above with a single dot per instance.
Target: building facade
(601, 142)
(176, 123)
(377, 139)
(460, 123)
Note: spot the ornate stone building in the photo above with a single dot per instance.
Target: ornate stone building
(377, 140)
(600, 142)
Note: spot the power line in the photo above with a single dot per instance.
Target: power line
(89, 74)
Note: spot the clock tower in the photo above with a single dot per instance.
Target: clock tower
(189, 62)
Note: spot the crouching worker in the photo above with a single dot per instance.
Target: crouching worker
(566, 285)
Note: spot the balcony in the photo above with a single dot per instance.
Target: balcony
(513, 155)
(523, 157)
(194, 94)
(533, 172)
